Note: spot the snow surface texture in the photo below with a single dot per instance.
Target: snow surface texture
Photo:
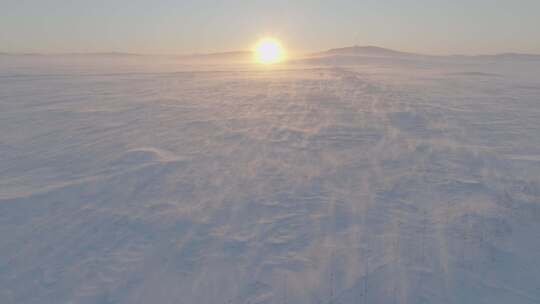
(323, 181)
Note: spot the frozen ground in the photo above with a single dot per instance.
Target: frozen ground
(324, 181)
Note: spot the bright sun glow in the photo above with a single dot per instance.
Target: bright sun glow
(269, 51)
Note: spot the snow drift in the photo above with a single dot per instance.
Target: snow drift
(403, 179)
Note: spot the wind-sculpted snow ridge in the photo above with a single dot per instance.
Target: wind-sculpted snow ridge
(300, 184)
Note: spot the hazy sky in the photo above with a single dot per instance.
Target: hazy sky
(187, 26)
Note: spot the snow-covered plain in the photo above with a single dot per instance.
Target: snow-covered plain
(327, 180)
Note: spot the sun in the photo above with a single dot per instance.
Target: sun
(268, 51)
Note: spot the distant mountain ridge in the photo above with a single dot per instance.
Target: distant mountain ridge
(375, 51)
(515, 56)
(355, 51)
(366, 51)
(234, 55)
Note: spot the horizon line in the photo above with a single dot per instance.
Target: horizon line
(121, 53)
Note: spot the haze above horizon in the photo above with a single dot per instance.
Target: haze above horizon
(170, 27)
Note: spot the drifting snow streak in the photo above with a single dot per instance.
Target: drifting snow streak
(359, 184)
